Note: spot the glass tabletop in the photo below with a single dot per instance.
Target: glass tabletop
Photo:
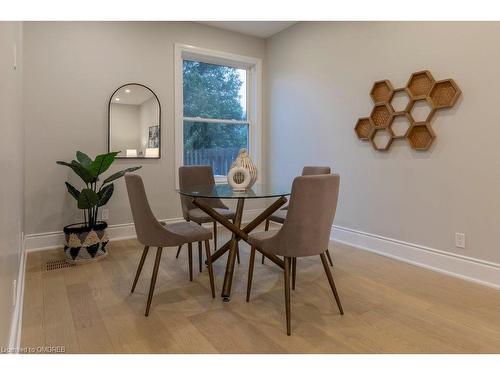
(225, 191)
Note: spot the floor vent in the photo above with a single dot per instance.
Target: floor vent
(57, 264)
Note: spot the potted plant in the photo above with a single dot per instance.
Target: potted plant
(87, 241)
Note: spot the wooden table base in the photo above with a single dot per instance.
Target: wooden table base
(238, 235)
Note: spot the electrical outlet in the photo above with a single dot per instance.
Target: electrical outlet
(460, 240)
(104, 214)
(14, 293)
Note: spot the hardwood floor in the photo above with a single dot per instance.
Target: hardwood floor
(390, 307)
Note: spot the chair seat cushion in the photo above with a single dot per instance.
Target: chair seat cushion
(279, 216)
(189, 232)
(259, 239)
(199, 216)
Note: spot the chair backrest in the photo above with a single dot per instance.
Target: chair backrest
(194, 175)
(314, 170)
(306, 230)
(148, 229)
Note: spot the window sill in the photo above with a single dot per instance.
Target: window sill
(220, 180)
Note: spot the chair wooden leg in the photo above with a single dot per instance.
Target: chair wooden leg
(190, 260)
(139, 268)
(215, 236)
(266, 228)
(200, 260)
(250, 272)
(178, 252)
(329, 257)
(238, 254)
(294, 272)
(153, 279)
(332, 283)
(287, 296)
(210, 269)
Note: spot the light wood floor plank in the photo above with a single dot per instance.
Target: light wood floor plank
(390, 307)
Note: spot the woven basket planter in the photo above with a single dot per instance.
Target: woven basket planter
(84, 244)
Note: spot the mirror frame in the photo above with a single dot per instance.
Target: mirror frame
(159, 122)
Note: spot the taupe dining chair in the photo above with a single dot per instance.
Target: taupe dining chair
(305, 232)
(152, 233)
(194, 175)
(280, 215)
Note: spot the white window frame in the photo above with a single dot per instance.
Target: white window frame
(253, 67)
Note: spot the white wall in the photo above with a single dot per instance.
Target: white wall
(71, 69)
(125, 132)
(11, 169)
(319, 78)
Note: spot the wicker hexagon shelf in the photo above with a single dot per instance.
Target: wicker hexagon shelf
(420, 136)
(419, 85)
(405, 113)
(444, 94)
(400, 100)
(381, 115)
(420, 110)
(382, 92)
(364, 128)
(381, 139)
(400, 125)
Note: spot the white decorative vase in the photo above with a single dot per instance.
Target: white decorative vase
(239, 177)
(243, 160)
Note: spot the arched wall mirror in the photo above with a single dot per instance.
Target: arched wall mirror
(134, 122)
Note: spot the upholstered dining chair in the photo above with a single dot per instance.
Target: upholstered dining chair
(194, 175)
(280, 215)
(152, 233)
(305, 232)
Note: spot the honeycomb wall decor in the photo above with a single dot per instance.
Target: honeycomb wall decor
(406, 112)
(400, 125)
(420, 136)
(420, 110)
(382, 91)
(400, 100)
(420, 84)
(364, 128)
(381, 115)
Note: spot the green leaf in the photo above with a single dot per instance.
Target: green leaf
(80, 170)
(84, 159)
(63, 163)
(105, 194)
(84, 173)
(119, 174)
(87, 199)
(102, 163)
(75, 193)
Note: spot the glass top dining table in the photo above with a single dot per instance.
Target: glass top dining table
(201, 195)
(225, 191)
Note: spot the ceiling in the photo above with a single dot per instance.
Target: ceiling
(261, 29)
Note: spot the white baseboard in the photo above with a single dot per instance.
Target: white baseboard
(51, 240)
(468, 268)
(471, 269)
(17, 316)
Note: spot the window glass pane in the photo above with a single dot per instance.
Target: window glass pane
(213, 144)
(214, 91)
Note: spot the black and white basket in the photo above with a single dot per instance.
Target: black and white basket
(83, 244)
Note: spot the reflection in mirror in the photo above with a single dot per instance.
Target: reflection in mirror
(134, 122)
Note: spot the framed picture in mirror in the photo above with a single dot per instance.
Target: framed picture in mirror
(134, 122)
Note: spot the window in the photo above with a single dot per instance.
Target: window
(217, 108)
